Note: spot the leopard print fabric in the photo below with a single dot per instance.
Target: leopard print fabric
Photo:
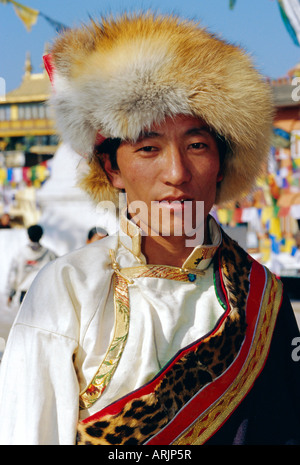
(145, 415)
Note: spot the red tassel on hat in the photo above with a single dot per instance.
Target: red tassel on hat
(49, 66)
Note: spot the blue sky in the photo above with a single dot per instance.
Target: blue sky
(255, 25)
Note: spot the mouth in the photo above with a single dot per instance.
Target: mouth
(175, 203)
(179, 199)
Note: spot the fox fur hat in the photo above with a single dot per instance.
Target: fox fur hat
(115, 78)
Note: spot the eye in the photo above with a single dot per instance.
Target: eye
(198, 145)
(147, 148)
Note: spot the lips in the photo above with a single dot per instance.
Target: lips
(180, 199)
(174, 203)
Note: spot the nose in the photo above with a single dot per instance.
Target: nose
(176, 171)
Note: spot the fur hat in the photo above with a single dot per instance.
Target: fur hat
(119, 76)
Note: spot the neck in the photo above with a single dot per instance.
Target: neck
(168, 250)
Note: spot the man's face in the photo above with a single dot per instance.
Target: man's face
(169, 169)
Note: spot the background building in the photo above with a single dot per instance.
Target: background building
(267, 221)
(27, 142)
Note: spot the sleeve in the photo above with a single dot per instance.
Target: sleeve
(39, 389)
(11, 286)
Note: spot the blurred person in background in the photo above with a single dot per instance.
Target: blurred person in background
(95, 234)
(5, 221)
(27, 263)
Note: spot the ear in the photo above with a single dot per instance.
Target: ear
(220, 177)
(114, 176)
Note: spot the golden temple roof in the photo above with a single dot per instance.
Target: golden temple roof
(35, 87)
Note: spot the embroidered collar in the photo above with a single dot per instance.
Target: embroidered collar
(130, 237)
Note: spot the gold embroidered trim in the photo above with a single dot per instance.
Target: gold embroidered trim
(232, 328)
(115, 350)
(159, 271)
(212, 419)
(122, 311)
(201, 253)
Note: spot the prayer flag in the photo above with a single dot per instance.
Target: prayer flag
(275, 229)
(266, 214)
(26, 174)
(281, 138)
(295, 211)
(27, 15)
(9, 174)
(33, 173)
(59, 27)
(17, 175)
(265, 249)
(237, 215)
(222, 215)
(283, 211)
(3, 176)
(290, 14)
(288, 245)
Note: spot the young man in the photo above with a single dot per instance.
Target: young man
(167, 333)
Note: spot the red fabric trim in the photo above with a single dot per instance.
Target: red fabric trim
(265, 360)
(213, 391)
(117, 406)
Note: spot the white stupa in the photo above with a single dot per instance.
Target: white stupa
(67, 211)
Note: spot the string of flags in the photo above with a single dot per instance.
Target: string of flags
(29, 16)
(289, 11)
(290, 15)
(273, 210)
(276, 232)
(34, 175)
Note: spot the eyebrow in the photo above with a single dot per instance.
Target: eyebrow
(189, 132)
(148, 135)
(198, 131)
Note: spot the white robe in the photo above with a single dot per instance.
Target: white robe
(25, 266)
(64, 328)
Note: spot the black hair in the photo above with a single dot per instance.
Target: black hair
(110, 147)
(35, 232)
(223, 148)
(96, 230)
(91, 233)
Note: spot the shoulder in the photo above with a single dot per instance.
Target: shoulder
(83, 262)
